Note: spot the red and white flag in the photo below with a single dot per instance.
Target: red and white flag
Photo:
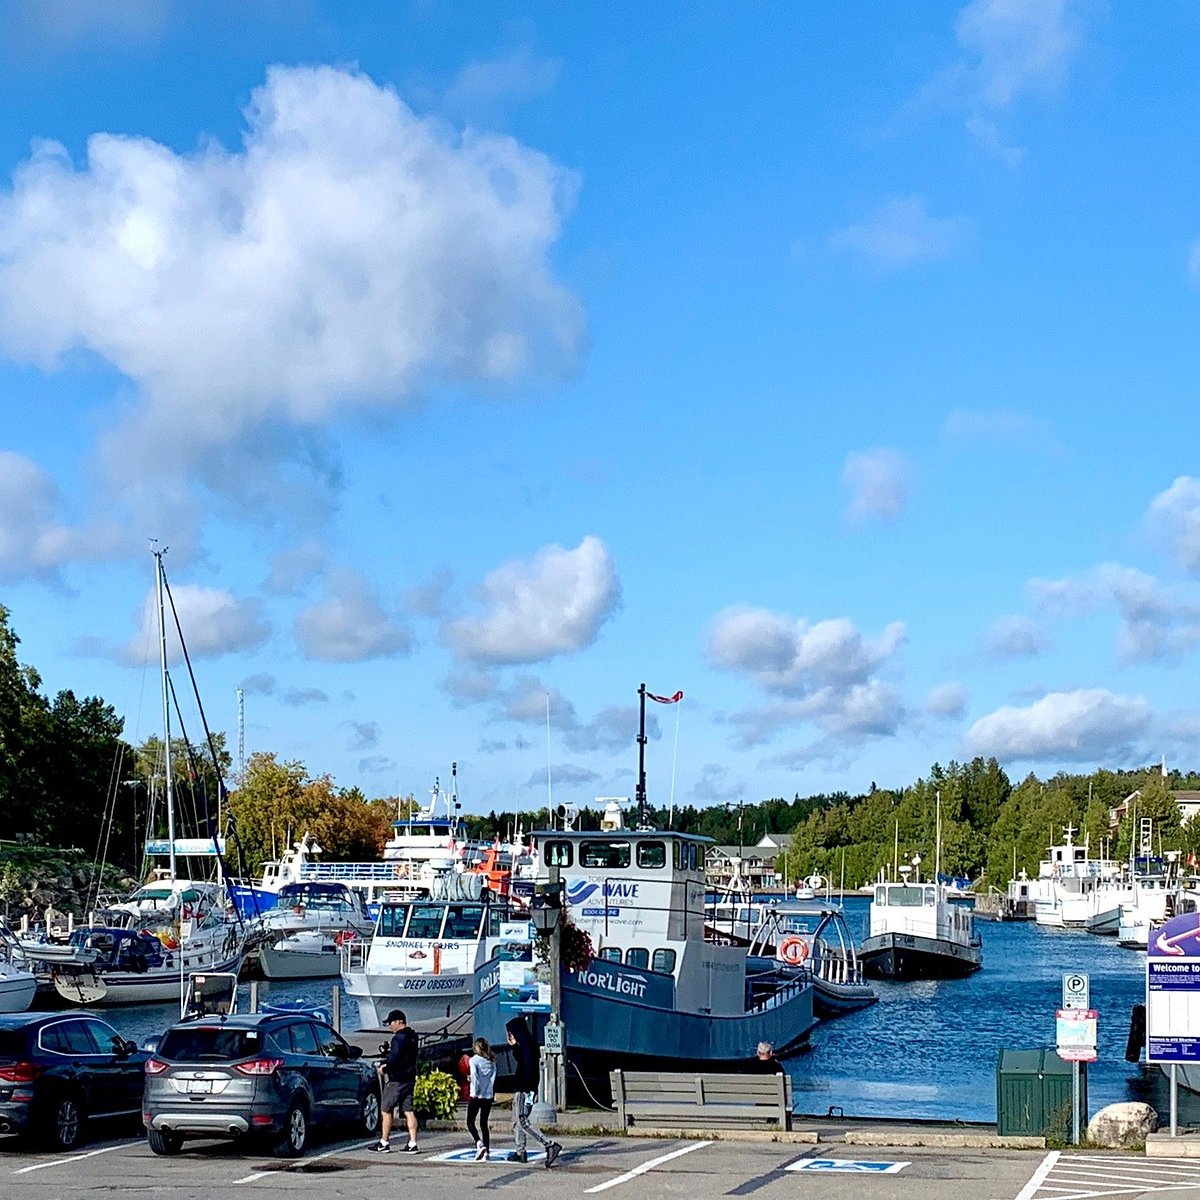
(665, 699)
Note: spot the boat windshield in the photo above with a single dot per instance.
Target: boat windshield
(902, 897)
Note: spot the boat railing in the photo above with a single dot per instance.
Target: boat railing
(354, 871)
(354, 954)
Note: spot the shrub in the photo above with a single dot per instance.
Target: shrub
(436, 1095)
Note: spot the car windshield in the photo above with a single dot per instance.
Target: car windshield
(204, 1043)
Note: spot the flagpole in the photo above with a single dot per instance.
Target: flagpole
(641, 784)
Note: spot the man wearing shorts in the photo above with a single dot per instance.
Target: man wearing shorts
(398, 1076)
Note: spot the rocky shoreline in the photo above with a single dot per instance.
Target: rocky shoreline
(34, 879)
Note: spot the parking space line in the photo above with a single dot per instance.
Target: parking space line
(59, 1162)
(300, 1162)
(1038, 1177)
(646, 1166)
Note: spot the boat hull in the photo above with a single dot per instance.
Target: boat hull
(423, 998)
(297, 964)
(910, 956)
(834, 999)
(17, 990)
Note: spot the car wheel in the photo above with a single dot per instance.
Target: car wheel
(293, 1141)
(368, 1113)
(162, 1142)
(64, 1130)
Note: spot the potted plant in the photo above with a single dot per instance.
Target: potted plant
(435, 1095)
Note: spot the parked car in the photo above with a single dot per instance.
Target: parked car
(271, 1076)
(61, 1071)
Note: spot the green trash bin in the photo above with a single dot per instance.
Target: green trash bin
(1033, 1094)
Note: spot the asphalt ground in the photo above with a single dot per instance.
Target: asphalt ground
(618, 1168)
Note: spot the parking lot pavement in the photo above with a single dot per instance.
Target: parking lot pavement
(609, 1167)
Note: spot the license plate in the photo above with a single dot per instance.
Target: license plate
(199, 1085)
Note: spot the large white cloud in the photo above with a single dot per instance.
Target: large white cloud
(1086, 725)
(554, 604)
(793, 657)
(349, 253)
(1177, 510)
(213, 621)
(1014, 636)
(350, 624)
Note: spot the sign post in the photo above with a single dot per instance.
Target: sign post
(1173, 999)
(1076, 1037)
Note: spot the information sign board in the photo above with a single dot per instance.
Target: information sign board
(1173, 991)
(1076, 1034)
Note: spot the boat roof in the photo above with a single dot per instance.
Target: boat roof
(622, 835)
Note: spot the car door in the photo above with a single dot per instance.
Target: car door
(317, 1068)
(347, 1077)
(122, 1074)
(71, 1043)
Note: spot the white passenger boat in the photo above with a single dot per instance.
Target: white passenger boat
(1070, 877)
(424, 954)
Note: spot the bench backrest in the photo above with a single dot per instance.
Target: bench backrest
(752, 1098)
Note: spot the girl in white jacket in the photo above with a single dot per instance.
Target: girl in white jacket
(483, 1089)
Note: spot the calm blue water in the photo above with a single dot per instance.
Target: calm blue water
(927, 1050)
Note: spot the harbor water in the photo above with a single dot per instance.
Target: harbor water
(928, 1050)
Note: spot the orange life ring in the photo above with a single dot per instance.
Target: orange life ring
(793, 951)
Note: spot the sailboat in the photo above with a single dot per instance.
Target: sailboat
(143, 947)
(920, 930)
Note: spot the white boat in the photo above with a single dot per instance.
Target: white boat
(18, 984)
(424, 954)
(309, 954)
(1066, 881)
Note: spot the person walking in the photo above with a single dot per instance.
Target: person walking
(525, 1054)
(398, 1076)
(482, 1067)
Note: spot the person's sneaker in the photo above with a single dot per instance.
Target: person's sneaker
(518, 1156)
(412, 1148)
(484, 1156)
(380, 1147)
(480, 1154)
(552, 1152)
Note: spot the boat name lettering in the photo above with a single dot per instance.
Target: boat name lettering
(418, 944)
(622, 985)
(434, 985)
(720, 966)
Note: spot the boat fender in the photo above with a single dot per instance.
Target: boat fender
(1137, 1034)
(793, 951)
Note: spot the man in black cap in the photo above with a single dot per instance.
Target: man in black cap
(400, 1073)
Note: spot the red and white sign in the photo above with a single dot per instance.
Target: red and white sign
(1076, 1034)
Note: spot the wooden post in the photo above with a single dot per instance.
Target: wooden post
(254, 995)
(336, 1008)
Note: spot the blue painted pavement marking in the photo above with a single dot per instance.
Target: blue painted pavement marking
(847, 1166)
(467, 1155)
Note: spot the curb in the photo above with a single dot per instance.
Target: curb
(949, 1141)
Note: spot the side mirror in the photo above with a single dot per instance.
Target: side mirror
(123, 1048)
(337, 1049)
(353, 1052)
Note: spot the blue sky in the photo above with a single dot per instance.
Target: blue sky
(834, 364)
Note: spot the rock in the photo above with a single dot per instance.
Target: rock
(1122, 1125)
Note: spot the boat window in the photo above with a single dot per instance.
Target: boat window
(462, 920)
(881, 896)
(558, 854)
(664, 960)
(608, 855)
(743, 915)
(694, 863)
(612, 953)
(636, 956)
(304, 1039)
(391, 920)
(496, 915)
(652, 854)
(906, 897)
(425, 920)
(929, 897)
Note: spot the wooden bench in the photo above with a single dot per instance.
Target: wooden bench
(671, 1100)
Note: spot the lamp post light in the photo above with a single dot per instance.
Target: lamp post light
(546, 912)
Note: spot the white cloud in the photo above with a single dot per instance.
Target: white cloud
(901, 233)
(1086, 725)
(1158, 624)
(1014, 637)
(947, 700)
(348, 255)
(791, 657)
(213, 622)
(350, 625)
(480, 87)
(34, 542)
(878, 482)
(294, 568)
(536, 610)
(716, 787)
(1177, 512)
(1014, 47)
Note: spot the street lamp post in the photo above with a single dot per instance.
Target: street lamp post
(546, 912)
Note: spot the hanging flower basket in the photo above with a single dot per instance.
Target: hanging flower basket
(575, 949)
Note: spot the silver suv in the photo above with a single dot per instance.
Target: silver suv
(263, 1075)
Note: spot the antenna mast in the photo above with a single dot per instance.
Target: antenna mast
(241, 737)
(162, 660)
(641, 783)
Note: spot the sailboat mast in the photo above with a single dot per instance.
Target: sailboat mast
(162, 659)
(937, 839)
(641, 783)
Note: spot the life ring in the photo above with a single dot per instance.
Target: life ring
(793, 951)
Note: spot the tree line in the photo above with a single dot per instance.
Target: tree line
(69, 779)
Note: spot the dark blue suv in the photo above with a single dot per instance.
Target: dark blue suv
(58, 1071)
(270, 1076)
